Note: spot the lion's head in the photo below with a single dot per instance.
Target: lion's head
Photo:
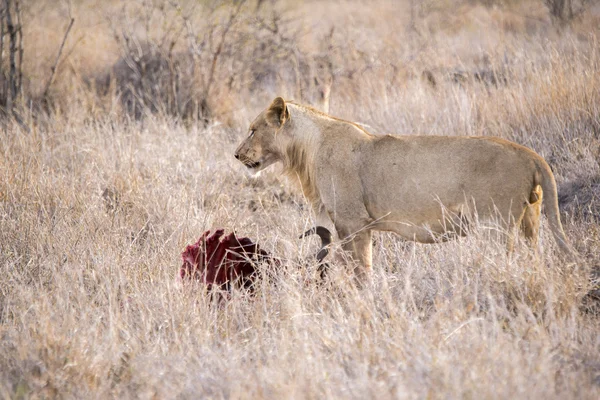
(260, 149)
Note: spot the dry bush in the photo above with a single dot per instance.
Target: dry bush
(190, 60)
(96, 206)
(566, 10)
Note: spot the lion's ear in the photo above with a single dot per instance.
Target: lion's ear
(278, 112)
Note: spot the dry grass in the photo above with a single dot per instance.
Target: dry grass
(89, 301)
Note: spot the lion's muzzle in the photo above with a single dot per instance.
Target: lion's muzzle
(249, 163)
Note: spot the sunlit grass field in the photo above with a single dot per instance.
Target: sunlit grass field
(97, 204)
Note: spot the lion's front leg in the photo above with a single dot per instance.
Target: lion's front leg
(343, 200)
(322, 217)
(360, 248)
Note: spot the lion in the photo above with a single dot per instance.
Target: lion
(423, 188)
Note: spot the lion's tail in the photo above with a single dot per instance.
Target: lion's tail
(545, 178)
(326, 239)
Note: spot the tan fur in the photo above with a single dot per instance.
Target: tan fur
(424, 188)
(531, 218)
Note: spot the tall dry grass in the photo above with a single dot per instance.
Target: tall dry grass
(96, 206)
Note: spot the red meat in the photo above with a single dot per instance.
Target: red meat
(219, 261)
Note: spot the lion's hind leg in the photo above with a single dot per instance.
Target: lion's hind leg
(530, 224)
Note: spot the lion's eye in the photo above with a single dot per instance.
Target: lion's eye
(252, 133)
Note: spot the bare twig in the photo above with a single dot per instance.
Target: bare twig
(2, 93)
(461, 326)
(217, 53)
(12, 37)
(60, 49)
(19, 49)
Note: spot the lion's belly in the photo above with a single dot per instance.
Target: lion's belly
(422, 234)
(422, 224)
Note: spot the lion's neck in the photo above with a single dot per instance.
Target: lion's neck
(300, 152)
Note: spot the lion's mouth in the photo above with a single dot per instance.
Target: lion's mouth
(248, 162)
(252, 165)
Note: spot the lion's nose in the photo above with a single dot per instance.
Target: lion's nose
(237, 156)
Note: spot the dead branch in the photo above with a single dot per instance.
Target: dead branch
(217, 53)
(12, 37)
(20, 50)
(2, 46)
(60, 49)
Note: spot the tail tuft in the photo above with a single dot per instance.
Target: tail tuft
(545, 178)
